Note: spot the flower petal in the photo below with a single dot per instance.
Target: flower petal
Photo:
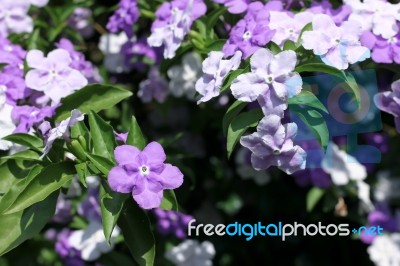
(154, 153)
(171, 177)
(120, 181)
(151, 195)
(247, 87)
(126, 154)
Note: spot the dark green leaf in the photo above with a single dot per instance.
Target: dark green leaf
(239, 125)
(94, 97)
(139, 238)
(169, 201)
(313, 196)
(102, 135)
(289, 45)
(27, 155)
(82, 172)
(26, 140)
(80, 130)
(232, 112)
(135, 135)
(309, 99)
(275, 49)
(103, 164)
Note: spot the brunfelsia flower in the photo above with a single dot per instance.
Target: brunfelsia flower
(288, 26)
(383, 50)
(379, 16)
(144, 174)
(215, 70)
(271, 81)
(62, 130)
(80, 21)
(26, 116)
(338, 15)
(389, 102)
(172, 222)
(111, 46)
(183, 77)
(7, 126)
(337, 46)
(14, 17)
(385, 250)
(124, 17)
(154, 87)
(252, 32)
(272, 145)
(191, 252)
(69, 255)
(14, 87)
(91, 241)
(139, 55)
(235, 6)
(173, 24)
(53, 75)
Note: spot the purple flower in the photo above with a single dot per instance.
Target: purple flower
(252, 32)
(154, 87)
(337, 46)
(144, 174)
(271, 81)
(25, 116)
(80, 21)
(53, 74)
(138, 54)
(14, 87)
(121, 137)
(90, 206)
(124, 17)
(172, 222)
(61, 130)
(272, 145)
(235, 6)
(78, 61)
(389, 102)
(325, 7)
(14, 18)
(69, 255)
(63, 210)
(288, 26)
(215, 70)
(384, 51)
(173, 23)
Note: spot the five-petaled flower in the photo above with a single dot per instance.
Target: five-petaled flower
(389, 102)
(144, 174)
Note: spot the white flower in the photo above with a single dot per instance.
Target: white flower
(62, 130)
(192, 253)
(387, 187)
(184, 77)
(91, 242)
(111, 45)
(246, 171)
(7, 126)
(364, 195)
(342, 167)
(385, 250)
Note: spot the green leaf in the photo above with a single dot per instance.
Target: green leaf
(82, 172)
(232, 112)
(111, 204)
(315, 122)
(313, 196)
(94, 97)
(103, 164)
(102, 135)
(216, 45)
(81, 133)
(169, 201)
(27, 155)
(136, 229)
(17, 227)
(309, 99)
(275, 49)
(232, 76)
(307, 27)
(51, 178)
(239, 125)
(289, 45)
(135, 135)
(26, 140)
(212, 18)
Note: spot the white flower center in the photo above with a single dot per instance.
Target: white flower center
(144, 170)
(269, 79)
(53, 73)
(392, 40)
(276, 152)
(247, 35)
(8, 48)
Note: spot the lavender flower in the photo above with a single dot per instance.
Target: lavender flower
(338, 15)
(80, 21)
(53, 75)
(6, 124)
(192, 253)
(62, 130)
(384, 50)
(144, 174)
(172, 222)
(111, 46)
(124, 17)
(14, 88)
(235, 6)
(288, 26)
(389, 102)
(63, 210)
(337, 46)
(138, 54)
(272, 145)
(173, 24)
(154, 87)
(183, 77)
(90, 206)
(246, 171)
(91, 242)
(69, 255)
(215, 70)
(271, 81)
(25, 116)
(14, 18)
(252, 32)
